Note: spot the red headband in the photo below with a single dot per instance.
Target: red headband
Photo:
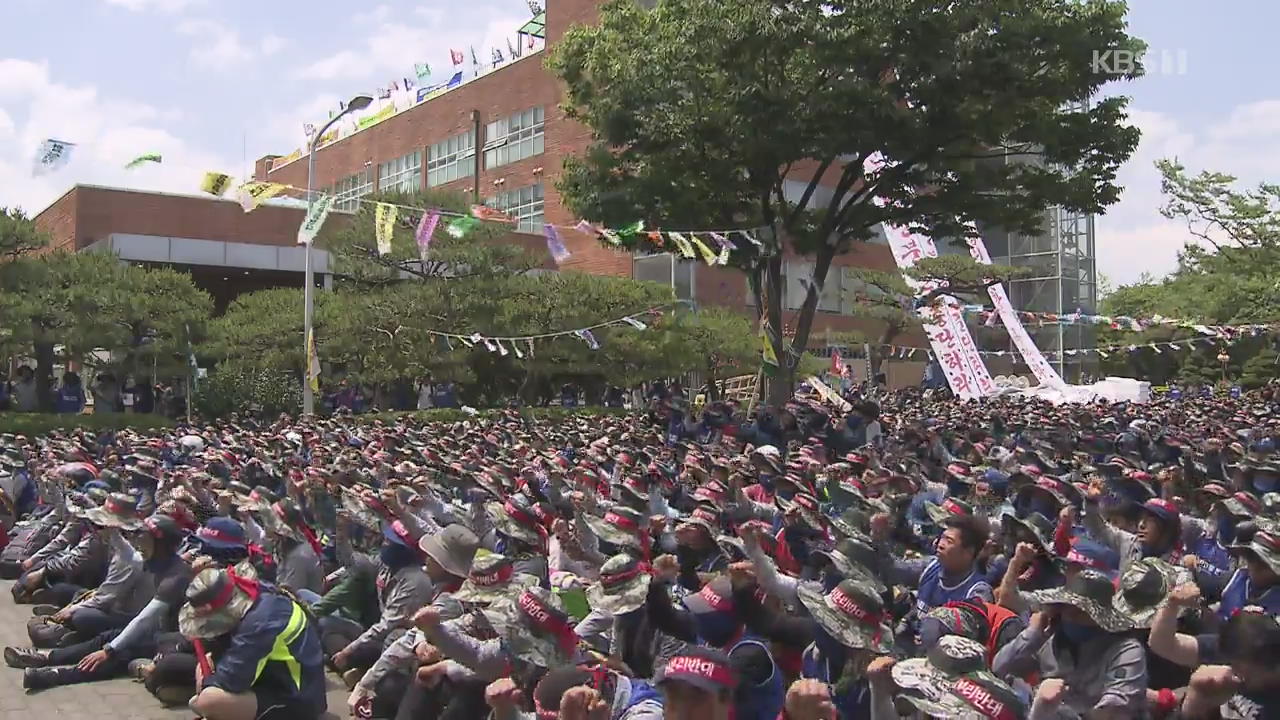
(223, 598)
(981, 699)
(519, 515)
(206, 533)
(113, 506)
(690, 665)
(548, 619)
(715, 600)
(621, 521)
(497, 577)
(621, 577)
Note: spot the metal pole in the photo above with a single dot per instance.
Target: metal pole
(308, 292)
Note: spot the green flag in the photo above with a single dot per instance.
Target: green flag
(459, 227)
(146, 158)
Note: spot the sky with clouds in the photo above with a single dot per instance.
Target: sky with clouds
(214, 84)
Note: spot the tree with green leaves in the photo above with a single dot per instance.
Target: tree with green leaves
(935, 117)
(1229, 277)
(481, 249)
(91, 305)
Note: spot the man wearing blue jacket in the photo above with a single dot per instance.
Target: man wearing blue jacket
(267, 660)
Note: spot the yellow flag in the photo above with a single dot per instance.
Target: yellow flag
(215, 183)
(768, 355)
(708, 256)
(384, 224)
(313, 363)
(253, 194)
(686, 250)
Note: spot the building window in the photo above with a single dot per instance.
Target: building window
(404, 174)
(348, 191)
(513, 138)
(523, 205)
(451, 159)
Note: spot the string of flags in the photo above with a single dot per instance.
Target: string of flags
(522, 345)
(52, 155)
(1115, 322)
(688, 244)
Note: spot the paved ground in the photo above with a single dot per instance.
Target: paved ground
(114, 699)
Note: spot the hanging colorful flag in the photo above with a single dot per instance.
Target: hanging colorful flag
(484, 212)
(497, 57)
(384, 225)
(635, 323)
(459, 227)
(308, 129)
(144, 158)
(516, 349)
(426, 227)
(630, 231)
(586, 337)
(707, 256)
(837, 364)
(215, 183)
(530, 42)
(423, 70)
(686, 250)
(475, 61)
(409, 84)
(723, 241)
(456, 56)
(311, 224)
(584, 227)
(501, 349)
(751, 238)
(610, 236)
(384, 93)
(313, 362)
(767, 354)
(314, 220)
(723, 257)
(253, 194)
(488, 345)
(513, 50)
(51, 155)
(555, 246)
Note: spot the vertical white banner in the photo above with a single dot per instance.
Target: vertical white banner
(1035, 359)
(938, 325)
(958, 355)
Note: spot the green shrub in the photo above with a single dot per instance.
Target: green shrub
(39, 424)
(264, 392)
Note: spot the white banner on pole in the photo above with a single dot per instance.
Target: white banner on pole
(1035, 359)
(948, 335)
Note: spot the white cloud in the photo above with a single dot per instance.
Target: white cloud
(108, 132)
(395, 43)
(168, 6)
(1133, 237)
(215, 45)
(272, 44)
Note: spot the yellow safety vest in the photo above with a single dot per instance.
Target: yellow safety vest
(280, 650)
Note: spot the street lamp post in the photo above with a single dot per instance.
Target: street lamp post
(358, 102)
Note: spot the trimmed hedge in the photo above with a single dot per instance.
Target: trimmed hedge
(39, 423)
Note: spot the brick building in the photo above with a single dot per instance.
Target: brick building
(502, 137)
